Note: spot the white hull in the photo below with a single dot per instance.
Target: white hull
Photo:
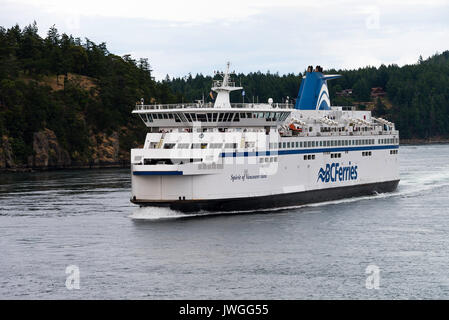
(244, 176)
(250, 156)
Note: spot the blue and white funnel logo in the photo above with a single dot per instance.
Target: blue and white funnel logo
(313, 92)
(334, 172)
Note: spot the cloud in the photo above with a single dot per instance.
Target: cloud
(197, 12)
(179, 37)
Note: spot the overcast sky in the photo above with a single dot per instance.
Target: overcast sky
(282, 36)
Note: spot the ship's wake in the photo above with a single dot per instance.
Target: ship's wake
(410, 185)
(156, 213)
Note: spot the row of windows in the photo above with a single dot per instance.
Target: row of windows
(388, 141)
(335, 155)
(283, 145)
(201, 145)
(234, 146)
(217, 117)
(309, 157)
(326, 143)
(366, 154)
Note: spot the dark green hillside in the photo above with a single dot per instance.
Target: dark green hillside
(69, 92)
(417, 95)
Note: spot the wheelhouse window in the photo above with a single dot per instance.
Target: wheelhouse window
(209, 117)
(201, 117)
(226, 117)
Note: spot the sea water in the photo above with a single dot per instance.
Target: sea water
(74, 234)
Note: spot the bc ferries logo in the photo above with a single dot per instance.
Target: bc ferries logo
(334, 172)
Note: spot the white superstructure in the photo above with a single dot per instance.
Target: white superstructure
(226, 156)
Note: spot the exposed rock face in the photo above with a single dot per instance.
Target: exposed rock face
(105, 149)
(48, 152)
(6, 158)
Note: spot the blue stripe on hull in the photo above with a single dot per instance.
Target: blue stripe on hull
(157, 173)
(305, 151)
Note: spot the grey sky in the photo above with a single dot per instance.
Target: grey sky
(282, 36)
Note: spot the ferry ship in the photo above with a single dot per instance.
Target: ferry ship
(226, 156)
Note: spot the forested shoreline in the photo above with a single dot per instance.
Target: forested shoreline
(415, 97)
(66, 102)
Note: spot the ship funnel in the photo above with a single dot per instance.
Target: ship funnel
(313, 93)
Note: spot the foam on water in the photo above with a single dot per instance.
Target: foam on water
(155, 213)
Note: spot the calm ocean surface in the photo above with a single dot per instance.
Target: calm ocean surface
(50, 220)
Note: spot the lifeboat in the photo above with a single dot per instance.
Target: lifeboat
(295, 128)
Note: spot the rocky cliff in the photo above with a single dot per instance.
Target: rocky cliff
(47, 151)
(6, 156)
(49, 154)
(105, 149)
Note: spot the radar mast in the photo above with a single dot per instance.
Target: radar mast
(223, 88)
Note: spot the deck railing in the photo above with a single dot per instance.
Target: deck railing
(140, 107)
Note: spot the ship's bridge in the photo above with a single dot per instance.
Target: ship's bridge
(206, 115)
(221, 113)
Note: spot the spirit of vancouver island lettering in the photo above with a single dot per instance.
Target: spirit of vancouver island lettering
(246, 176)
